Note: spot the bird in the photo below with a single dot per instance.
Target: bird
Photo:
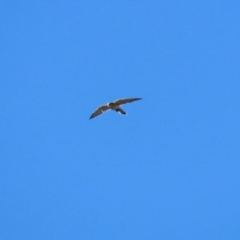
(113, 106)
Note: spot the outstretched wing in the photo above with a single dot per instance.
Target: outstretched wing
(99, 111)
(126, 100)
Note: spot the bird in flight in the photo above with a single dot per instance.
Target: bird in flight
(113, 106)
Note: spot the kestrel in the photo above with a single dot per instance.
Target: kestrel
(113, 106)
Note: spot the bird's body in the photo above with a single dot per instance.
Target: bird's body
(114, 106)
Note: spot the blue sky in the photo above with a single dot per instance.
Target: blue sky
(167, 170)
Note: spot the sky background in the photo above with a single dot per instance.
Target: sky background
(170, 169)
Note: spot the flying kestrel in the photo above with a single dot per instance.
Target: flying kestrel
(113, 106)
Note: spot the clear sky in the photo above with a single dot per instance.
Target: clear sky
(169, 169)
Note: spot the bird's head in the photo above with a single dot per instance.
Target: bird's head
(111, 104)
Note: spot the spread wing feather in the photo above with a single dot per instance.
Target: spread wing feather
(126, 100)
(99, 111)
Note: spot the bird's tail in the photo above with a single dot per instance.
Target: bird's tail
(121, 111)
